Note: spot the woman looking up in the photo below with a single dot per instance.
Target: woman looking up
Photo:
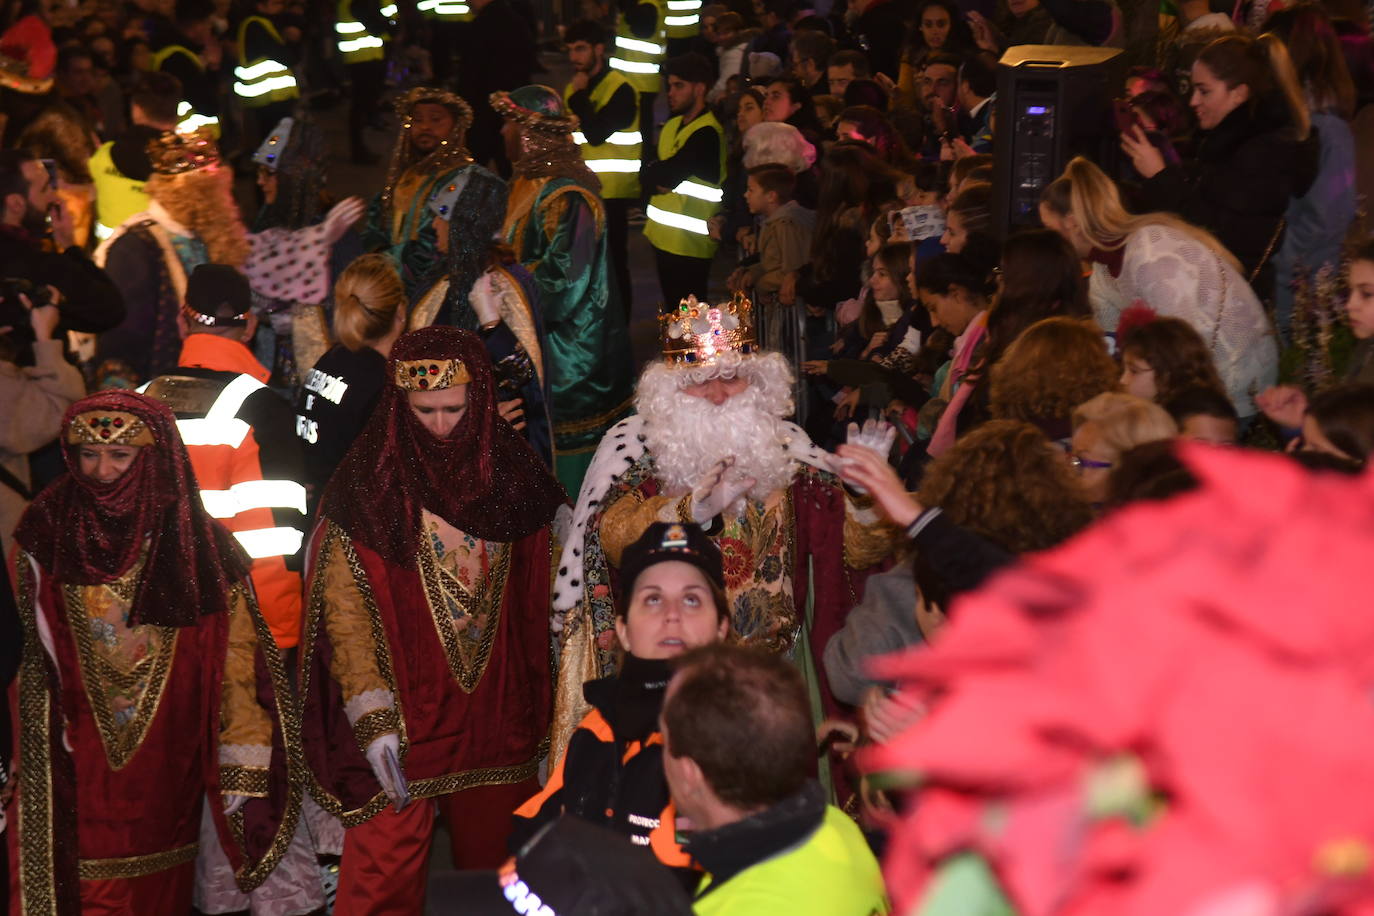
(612, 770)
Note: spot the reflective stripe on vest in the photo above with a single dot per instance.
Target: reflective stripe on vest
(222, 426)
(616, 160)
(262, 80)
(356, 45)
(638, 59)
(187, 118)
(683, 19)
(117, 196)
(270, 542)
(677, 221)
(452, 10)
(254, 494)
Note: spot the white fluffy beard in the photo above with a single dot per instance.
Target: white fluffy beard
(687, 435)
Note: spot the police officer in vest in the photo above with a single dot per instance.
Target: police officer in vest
(446, 19)
(192, 54)
(263, 81)
(361, 32)
(682, 25)
(686, 183)
(121, 166)
(610, 139)
(640, 45)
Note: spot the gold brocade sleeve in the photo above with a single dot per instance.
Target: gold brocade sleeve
(368, 699)
(245, 749)
(309, 335)
(868, 538)
(627, 518)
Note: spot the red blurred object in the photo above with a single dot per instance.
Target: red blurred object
(1172, 713)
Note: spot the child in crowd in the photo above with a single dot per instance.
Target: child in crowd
(1162, 357)
(785, 234)
(1286, 405)
(1204, 413)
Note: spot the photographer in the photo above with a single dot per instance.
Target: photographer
(64, 277)
(34, 398)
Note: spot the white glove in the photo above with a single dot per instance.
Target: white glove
(342, 215)
(718, 490)
(232, 803)
(484, 299)
(875, 435)
(376, 754)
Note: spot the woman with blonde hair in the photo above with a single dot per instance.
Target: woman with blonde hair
(1175, 268)
(338, 394)
(1055, 365)
(1108, 426)
(1256, 154)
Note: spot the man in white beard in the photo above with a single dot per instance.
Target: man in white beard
(710, 444)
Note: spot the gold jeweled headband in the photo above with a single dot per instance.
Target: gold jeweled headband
(430, 374)
(108, 427)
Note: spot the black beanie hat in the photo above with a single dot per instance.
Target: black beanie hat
(664, 541)
(218, 296)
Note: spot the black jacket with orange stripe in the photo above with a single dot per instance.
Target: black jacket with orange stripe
(612, 771)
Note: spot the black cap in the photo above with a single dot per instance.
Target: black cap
(664, 541)
(575, 868)
(218, 296)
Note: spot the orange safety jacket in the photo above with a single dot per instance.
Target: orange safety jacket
(609, 781)
(241, 438)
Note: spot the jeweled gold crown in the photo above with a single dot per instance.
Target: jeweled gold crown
(430, 374)
(697, 332)
(176, 153)
(108, 427)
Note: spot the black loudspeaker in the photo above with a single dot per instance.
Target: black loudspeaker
(1054, 102)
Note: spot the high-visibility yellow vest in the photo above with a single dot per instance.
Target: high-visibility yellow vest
(356, 45)
(616, 161)
(187, 118)
(262, 81)
(448, 10)
(683, 19)
(117, 196)
(677, 220)
(639, 58)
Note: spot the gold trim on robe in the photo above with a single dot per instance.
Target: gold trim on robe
(516, 313)
(123, 694)
(456, 607)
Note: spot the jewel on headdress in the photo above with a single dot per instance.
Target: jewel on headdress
(697, 333)
(99, 427)
(431, 374)
(444, 200)
(174, 153)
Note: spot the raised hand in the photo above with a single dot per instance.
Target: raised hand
(717, 490)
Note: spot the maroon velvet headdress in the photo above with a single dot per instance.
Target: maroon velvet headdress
(484, 479)
(87, 533)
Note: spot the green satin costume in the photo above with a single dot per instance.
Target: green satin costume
(558, 231)
(407, 232)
